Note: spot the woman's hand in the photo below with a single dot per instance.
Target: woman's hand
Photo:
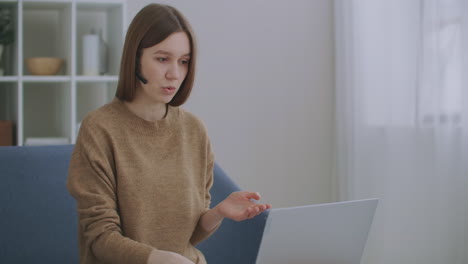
(167, 257)
(239, 206)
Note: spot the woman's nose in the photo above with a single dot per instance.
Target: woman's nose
(173, 72)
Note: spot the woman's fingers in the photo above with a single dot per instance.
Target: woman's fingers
(250, 211)
(253, 209)
(257, 210)
(253, 212)
(251, 195)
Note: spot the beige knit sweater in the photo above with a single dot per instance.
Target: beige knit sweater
(140, 185)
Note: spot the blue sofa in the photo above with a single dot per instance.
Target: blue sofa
(38, 219)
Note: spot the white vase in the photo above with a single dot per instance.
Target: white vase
(91, 55)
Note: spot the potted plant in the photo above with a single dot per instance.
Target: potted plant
(6, 32)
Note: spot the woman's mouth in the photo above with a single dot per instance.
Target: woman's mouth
(169, 90)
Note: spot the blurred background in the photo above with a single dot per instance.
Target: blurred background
(265, 90)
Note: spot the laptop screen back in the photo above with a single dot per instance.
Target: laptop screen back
(334, 233)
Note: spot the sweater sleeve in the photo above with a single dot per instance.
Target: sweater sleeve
(92, 183)
(200, 233)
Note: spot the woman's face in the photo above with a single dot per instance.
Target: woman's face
(164, 66)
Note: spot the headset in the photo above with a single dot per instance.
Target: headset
(137, 71)
(144, 81)
(138, 75)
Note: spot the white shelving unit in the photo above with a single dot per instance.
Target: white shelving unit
(54, 106)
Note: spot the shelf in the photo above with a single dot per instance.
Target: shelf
(90, 96)
(50, 108)
(104, 18)
(8, 98)
(102, 5)
(81, 79)
(47, 32)
(44, 141)
(46, 4)
(97, 79)
(9, 55)
(52, 79)
(47, 112)
(8, 78)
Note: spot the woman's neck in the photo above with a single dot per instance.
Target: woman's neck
(148, 111)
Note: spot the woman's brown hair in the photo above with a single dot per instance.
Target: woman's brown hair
(153, 24)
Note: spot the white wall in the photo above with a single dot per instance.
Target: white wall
(265, 89)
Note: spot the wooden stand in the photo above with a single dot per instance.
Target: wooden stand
(6, 133)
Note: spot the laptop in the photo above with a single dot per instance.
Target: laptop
(333, 233)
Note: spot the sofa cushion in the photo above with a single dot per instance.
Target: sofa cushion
(38, 219)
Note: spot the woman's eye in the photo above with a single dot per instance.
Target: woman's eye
(185, 61)
(161, 59)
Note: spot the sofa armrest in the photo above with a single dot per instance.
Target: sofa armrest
(233, 242)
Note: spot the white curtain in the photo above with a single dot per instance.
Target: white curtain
(402, 125)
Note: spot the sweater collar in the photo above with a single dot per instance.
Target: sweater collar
(144, 126)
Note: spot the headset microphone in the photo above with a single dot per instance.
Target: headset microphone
(143, 80)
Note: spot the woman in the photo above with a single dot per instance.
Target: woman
(142, 167)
